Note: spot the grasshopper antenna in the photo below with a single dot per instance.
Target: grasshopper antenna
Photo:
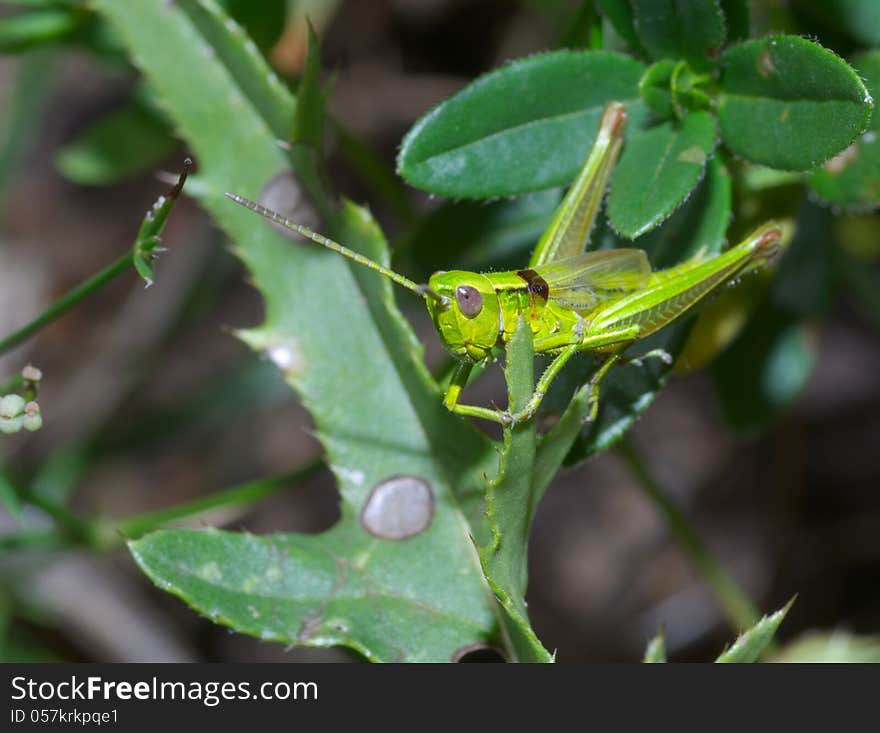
(422, 290)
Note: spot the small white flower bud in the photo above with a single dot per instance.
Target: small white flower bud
(9, 425)
(11, 405)
(31, 373)
(32, 422)
(31, 408)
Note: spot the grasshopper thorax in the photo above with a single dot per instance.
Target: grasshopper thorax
(468, 318)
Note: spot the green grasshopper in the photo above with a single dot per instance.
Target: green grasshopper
(601, 302)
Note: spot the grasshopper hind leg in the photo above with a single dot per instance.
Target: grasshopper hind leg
(661, 354)
(596, 382)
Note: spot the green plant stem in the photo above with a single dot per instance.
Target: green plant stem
(737, 606)
(43, 539)
(105, 534)
(66, 302)
(241, 495)
(75, 527)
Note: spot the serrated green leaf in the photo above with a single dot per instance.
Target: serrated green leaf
(524, 127)
(657, 171)
(124, 143)
(788, 103)
(852, 178)
(830, 647)
(620, 14)
(219, 34)
(655, 652)
(336, 588)
(24, 31)
(737, 18)
(321, 313)
(509, 505)
(750, 645)
(680, 29)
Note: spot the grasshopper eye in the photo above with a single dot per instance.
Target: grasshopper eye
(469, 300)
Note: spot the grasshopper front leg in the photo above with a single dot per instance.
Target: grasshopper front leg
(453, 392)
(622, 337)
(504, 417)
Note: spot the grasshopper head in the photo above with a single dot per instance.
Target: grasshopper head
(467, 318)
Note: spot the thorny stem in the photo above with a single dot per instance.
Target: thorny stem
(737, 607)
(66, 302)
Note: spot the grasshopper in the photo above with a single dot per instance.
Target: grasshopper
(601, 302)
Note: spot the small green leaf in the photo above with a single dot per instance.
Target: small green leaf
(655, 652)
(308, 121)
(24, 31)
(655, 87)
(737, 18)
(620, 14)
(524, 127)
(124, 143)
(750, 645)
(852, 178)
(670, 88)
(676, 29)
(146, 246)
(657, 171)
(510, 505)
(831, 647)
(788, 103)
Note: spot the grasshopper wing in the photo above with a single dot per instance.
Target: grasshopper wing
(582, 281)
